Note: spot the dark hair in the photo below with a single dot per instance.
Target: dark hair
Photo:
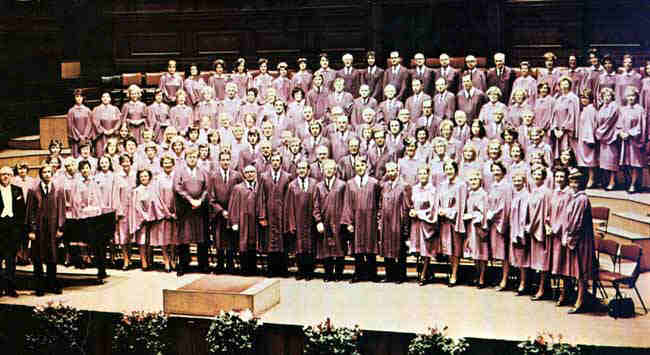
(124, 157)
(137, 176)
(110, 162)
(481, 133)
(78, 92)
(587, 93)
(501, 166)
(452, 163)
(20, 165)
(401, 125)
(83, 163)
(544, 173)
(298, 90)
(253, 90)
(262, 61)
(512, 131)
(420, 129)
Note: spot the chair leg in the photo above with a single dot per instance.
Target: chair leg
(640, 299)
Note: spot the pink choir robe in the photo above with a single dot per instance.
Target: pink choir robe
(451, 75)
(503, 79)
(243, 212)
(566, 113)
(398, 76)
(478, 243)
(632, 121)
(539, 214)
(444, 105)
(461, 134)
(86, 201)
(359, 105)
(436, 170)
(543, 110)
(25, 183)
(145, 210)
(329, 75)
(318, 99)
(193, 88)
(479, 79)
(248, 107)
(388, 110)
(577, 76)
(316, 171)
(378, 157)
(606, 80)
(273, 209)
(329, 198)
(106, 120)
(158, 119)
(190, 185)
(552, 78)
(309, 145)
(339, 144)
(299, 222)
(346, 167)
(498, 216)
(108, 191)
(66, 182)
(80, 127)
(560, 198)
(515, 112)
(262, 83)
(591, 81)
(606, 134)
(424, 238)
(586, 147)
(470, 102)
(360, 209)
(487, 111)
(408, 169)
(373, 77)
(342, 99)
(452, 200)
(426, 76)
(164, 231)
(352, 79)
(282, 86)
(243, 81)
(233, 108)
(125, 185)
(542, 147)
(414, 105)
(45, 216)
(431, 123)
(395, 206)
(181, 117)
(218, 84)
(424, 151)
(519, 248)
(579, 237)
(494, 130)
(295, 111)
(528, 84)
(623, 80)
(207, 108)
(302, 79)
(220, 193)
(169, 85)
(134, 113)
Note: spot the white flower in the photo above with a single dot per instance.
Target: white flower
(246, 315)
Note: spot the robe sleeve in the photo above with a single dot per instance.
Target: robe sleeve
(575, 223)
(290, 207)
(347, 217)
(31, 211)
(73, 133)
(234, 206)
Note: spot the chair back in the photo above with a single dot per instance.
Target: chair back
(600, 212)
(131, 79)
(632, 253)
(153, 79)
(608, 247)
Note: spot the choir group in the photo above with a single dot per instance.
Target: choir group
(477, 164)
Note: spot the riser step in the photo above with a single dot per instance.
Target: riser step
(630, 221)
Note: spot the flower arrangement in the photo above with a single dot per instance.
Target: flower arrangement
(437, 342)
(141, 333)
(325, 339)
(548, 344)
(58, 331)
(232, 333)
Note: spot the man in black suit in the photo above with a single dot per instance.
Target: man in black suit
(12, 229)
(373, 77)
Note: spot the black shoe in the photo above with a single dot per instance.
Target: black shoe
(55, 290)
(180, 272)
(102, 275)
(577, 310)
(480, 286)
(11, 293)
(355, 279)
(299, 277)
(40, 292)
(521, 292)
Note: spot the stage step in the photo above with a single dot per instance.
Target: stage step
(27, 142)
(620, 201)
(624, 236)
(632, 221)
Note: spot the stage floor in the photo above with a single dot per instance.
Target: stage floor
(408, 308)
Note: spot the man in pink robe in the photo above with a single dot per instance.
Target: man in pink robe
(360, 104)
(351, 76)
(470, 100)
(243, 218)
(501, 76)
(397, 76)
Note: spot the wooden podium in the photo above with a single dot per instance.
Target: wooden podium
(53, 127)
(211, 294)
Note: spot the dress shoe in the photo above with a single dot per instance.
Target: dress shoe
(609, 188)
(451, 284)
(40, 293)
(423, 282)
(102, 275)
(12, 293)
(577, 310)
(537, 297)
(299, 277)
(480, 286)
(55, 290)
(180, 272)
(355, 279)
(521, 292)
(632, 189)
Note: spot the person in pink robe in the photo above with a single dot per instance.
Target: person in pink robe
(498, 215)
(561, 196)
(393, 224)
(302, 78)
(518, 106)
(586, 148)
(263, 81)
(193, 85)
(487, 110)
(282, 84)
(409, 164)
(328, 74)
(451, 206)
(164, 232)
(145, 210)
(550, 74)
(243, 218)
(543, 109)
(318, 99)
(45, 219)
(423, 239)
(360, 213)
(125, 181)
(170, 83)
(134, 112)
(106, 120)
(566, 113)
(158, 116)
(525, 82)
(80, 123)
(477, 245)
(300, 222)
(608, 78)
(538, 226)
(191, 191)
(607, 136)
(105, 178)
(218, 79)
(628, 77)
(231, 104)
(181, 116)
(519, 248)
(579, 238)
(632, 131)
(241, 77)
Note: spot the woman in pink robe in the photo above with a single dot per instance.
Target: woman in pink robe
(134, 113)
(525, 82)
(477, 245)
(158, 116)
(218, 80)
(263, 81)
(586, 148)
(518, 106)
(566, 112)
(543, 109)
(607, 136)
(451, 206)
(607, 79)
(424, 239)
(302, 78)
(631, 129)
(207, 107)
(193, 85)
(125, 181)
(409, 164)
(181, 116)
(519, 249)
(318, 98)
(145, 210)
(436, 163)
(561, 196)
(497, 215)
(628, 77)
(170, 83)
(487, 111)
(163, 232)
(106, 119)
(538, 226)
(241, 77)
(80, 123)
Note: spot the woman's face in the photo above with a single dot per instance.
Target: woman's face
(104, 164)
(538, 176)
(134, 95)
(253, 138)
(194, 71)
(159, 97)
(297, 96)
(279, 107)
(494, 151)
(177, 147)
(124, 131)
(497, 173)
(394, 127)
(318, 80)
(440, 148)
(263, 68)
(507, 137)
(125, 164)
(631, 99)
(518, 182)
(476, 128)
(515, 153)
(445, 131)
(167, 165)
(423, 176)
(560, 179)
(608, 65)
(475, 181)
(410, 150)
(450, 170)
(55, 149)
(106, 98)
(422, 136)
(565, 86)
(204, 152)
(144, 178)
(519, 97)
(111, 148)
(171, 67)
(22, 171)
(608, 97)
(85, 171)
(194, 135)
(493, 96)
(78, 99)
(468, 154)
(180, 99)
(241, 67)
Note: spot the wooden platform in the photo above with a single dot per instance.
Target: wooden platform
(27, 142)
(211, 294)
(32, 157)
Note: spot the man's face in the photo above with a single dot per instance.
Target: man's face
(302, 169)
(276, 162)
(364, 91)
(330, 170)
(338, 85)
(231, 91)
(467, 82)
(342, 124)
(4, 178)
(371, 60)
(249, 174)
(394, 58)
(380, 139)
(321, 154)
(324, 63)
(266, 150)
(46, 174)
(427, 108)
(499, 62)
(224, 162)
(391, 172)
(191, 159)
(471, 62)
(417, 87)
(444, 60)
(353, 146)
(419, 60)
(441, 86)
(360, 167)
(347, 61)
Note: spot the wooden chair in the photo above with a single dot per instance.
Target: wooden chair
(600, 215)
(630, 253)
(605, 247)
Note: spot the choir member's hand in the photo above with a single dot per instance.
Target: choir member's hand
(547, 229)
(350, 228)
(59, 234)
(225, 214)
(235, 227)
(441, 213)
(32, 236)
(320, 227)
(263, 223)
(412, 213)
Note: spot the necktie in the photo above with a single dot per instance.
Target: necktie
(45, 189)
(225, 177)
(304, 185)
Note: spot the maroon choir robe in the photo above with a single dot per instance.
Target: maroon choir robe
(395, 206)
(300, 214)
(218, 84)
(329, 198)
(414, 105)
(579, 237)
(450, 75)
(352, 79)
(158, 119)
(318, 99)
(342, 99)
(302, 79)
(243, 212)
(478, 246)
(519, 241)
(169, 85)
(566, 113)
(539, 215)
(339, 143)
(219, 195)
(470, 102)
(374, 78)
(310, 144)
(106, 120)
(606, 134)
(80, 127)
(329, 75)
(431, 123)
(316, 171)
(388, 110)
(426, 76)
(181, 117)
(479, 79)
(453, 197)
(273, 209)
(503, 79)
(378, 158)
(134, 113)
(444, 105)
(188, 185)
(45, 216)
(359, 105)
(498, 215)
(398, 76)
(360, 209)
(346, 167)
(560, 198)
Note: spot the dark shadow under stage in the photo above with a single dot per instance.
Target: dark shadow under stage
(392, 311)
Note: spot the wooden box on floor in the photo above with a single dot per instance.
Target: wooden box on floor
(53, 127)
(211, 294)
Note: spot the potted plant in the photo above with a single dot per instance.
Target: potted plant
(437, 342)
(233, 333)
(325, 339)
(548, 344)
(141, 333)
(58, 331)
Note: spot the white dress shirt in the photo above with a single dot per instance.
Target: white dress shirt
(7, 211)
